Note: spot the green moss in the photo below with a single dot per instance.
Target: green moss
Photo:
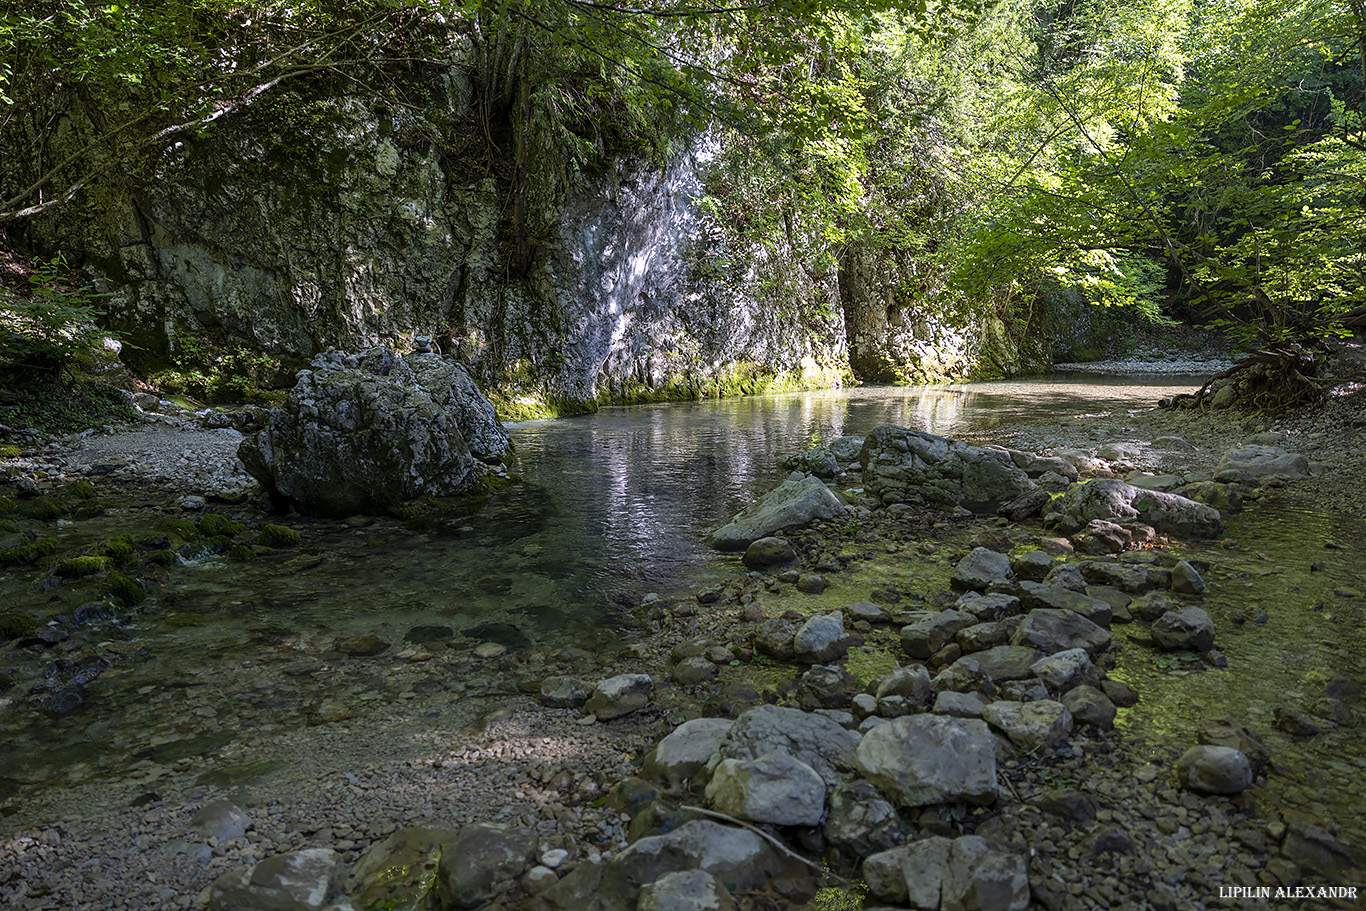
(81, 490)
(43, 508)
(28, 553)
(78, 567)
(162, 558)
(277, 536)
(88, 509)
(14, 624)
(120, 549)
(8, 506)
(182, 619)
(241, 553)
(181, 528)
(213, 525)
(8, 451)
(126, 589)
(221, 543)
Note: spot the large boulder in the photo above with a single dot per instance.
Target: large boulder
(942, 874)
(365, 432)
(818, 741)
(1214, 770)
(480, 861)
(682, 754)
(1052, 631)
(796, 501)
(901, 465)
(925, 759)
(775, 789)
(1110, 499)
(1252, 462)
(301, 881)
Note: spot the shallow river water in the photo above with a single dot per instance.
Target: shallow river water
(615, 505)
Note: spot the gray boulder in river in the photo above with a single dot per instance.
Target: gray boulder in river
(901, 465)
(365, 432)
(796, 501)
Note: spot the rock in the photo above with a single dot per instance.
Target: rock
(1101, 536)
(1030, 725)
(479, 861)
(301, 881)
(820, 639)
(978, 878)
(823, 744)
(1187, 629)
(1089, 705)
(1065, 669)
(982, 636)
(490, 650)
(913, 683)
(1052, 631)
(959, 705)
(1067, 804)
(1295, 723)
(1132, 579)
(1213, 770)
(415, 851)
(776, 638)
(941, 874)
(774, 788)
(564, 692)
(1066, 576)
(988, 607)
(818, 460)
(538, 879)
(812, 583)
(1151, 606)
(929, 631)
(867, 610)
(1121, 694)
(1256, 462)
(1032, 565)
(794, 502)
(911, 875)
(826, 687)
(1026, 506)
(861, 820)
(686, 890)
(1110, 839)
(1316, 850)
(1005, 662)
(692, 671)
(221, 820)
(909, 466)
(620, 695)
(1115, 500)
(1186, 580)
(925, 759)
(767, 552)
(363, 433)
(1226, 732)
(1035, 595)
(682, 754)
(363, 646)
(979, 569)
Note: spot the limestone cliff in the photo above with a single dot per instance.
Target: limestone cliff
(584, 277)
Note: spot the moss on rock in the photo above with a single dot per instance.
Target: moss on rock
(79, 567)
(28, 553)
(213, 525)
(127, 589)
(275, 536)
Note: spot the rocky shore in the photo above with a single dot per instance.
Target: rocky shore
(927, 622)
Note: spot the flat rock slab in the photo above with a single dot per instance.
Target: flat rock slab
(794, 502)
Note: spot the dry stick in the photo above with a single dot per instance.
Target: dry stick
(768, 838)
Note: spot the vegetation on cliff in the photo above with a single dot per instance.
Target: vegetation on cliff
(1198, 161)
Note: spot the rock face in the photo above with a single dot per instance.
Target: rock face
(366, 432)
(926, 759)
(794, 502)
(909, 466)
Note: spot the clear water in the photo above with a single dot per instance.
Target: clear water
(613, 505)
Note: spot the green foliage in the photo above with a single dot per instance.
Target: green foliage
(67, 407)
(126, 589)
(81, 489)
(274, 536)
(48, 323)
(216, 371)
